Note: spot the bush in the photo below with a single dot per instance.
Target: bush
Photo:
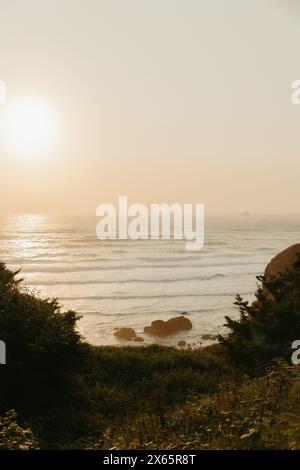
(34, 330)
(13, 436)
(41, 342)
(268, 326)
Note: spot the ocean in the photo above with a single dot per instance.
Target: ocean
(117, 283)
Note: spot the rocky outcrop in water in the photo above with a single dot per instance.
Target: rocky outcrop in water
(169, 327)
(127, 334)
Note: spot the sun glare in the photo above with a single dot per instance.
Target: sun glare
(30, 127)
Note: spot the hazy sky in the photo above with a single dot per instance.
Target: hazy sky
(160, 100)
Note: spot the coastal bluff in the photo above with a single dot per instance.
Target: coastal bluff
(283, 261)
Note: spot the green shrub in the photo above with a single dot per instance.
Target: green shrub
(42, 345)
(268, 326)
(13, 436)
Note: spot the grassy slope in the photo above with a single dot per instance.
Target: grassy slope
(162, 398)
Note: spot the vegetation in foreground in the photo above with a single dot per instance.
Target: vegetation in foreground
(58, 392)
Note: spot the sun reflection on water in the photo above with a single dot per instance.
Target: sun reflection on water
(27, 234)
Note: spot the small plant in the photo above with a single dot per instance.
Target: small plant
(13, 436)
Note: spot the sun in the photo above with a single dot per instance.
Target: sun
(30, 127)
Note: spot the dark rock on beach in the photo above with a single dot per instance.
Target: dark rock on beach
(169, 327)
(125, 334)
(209, 337)
(138, 339)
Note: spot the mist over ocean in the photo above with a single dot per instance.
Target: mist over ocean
(116, 283)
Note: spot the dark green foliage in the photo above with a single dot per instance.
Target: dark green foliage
(42, 345)
(267, 327)
(35, 330)
(13, 436)
(261, 413)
